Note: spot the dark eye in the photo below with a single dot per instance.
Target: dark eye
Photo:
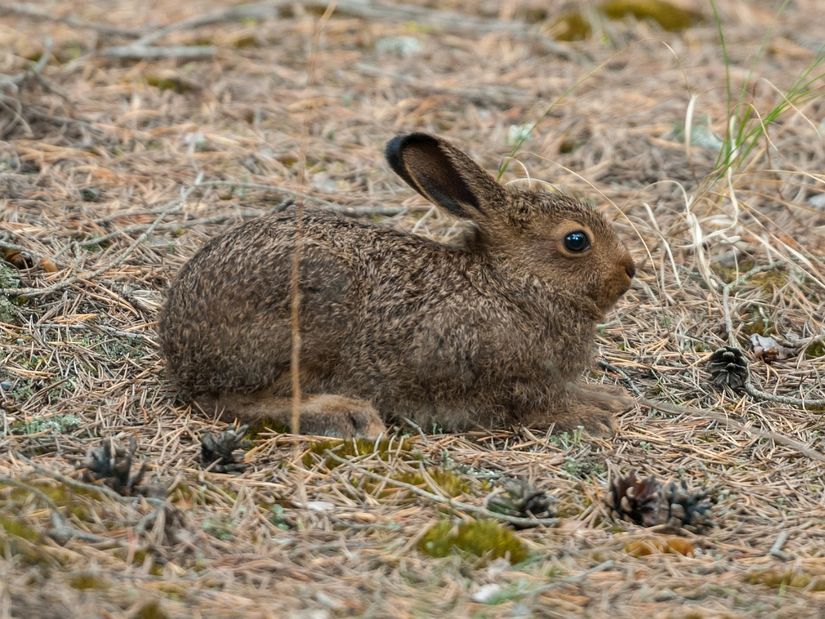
(576, 241)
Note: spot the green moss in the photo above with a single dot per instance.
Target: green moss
(770, 281)
(817, 349)
(69, 51)
(450, 483)
(150, 610)
(85, 581)
(575, 26)
(72, 502)
(354, 448)
(24, 542)
(729, 274)
(786, 578)
(571, 26)
(15, 527)
(246, 42)
(171, 82)
(669, 16)
(485, 539)
(758, 322)
(568, 145)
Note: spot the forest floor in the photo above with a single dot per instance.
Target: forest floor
(117, 164)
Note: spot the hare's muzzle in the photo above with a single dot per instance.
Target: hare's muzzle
(627, 269)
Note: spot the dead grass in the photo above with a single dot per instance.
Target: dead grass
(117, 170)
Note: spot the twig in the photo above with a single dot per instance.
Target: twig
(754, 392)
(442, 500)
(695, 412)
(776, 549)
(145, 52)
(35, 14)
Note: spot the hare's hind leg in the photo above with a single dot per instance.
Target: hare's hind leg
(327, 415)
(594, 407)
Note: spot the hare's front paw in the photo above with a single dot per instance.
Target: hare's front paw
(334, 415)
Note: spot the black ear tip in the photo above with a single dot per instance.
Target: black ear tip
(396, 146)
(392, 152)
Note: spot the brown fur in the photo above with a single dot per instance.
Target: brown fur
(488, 334)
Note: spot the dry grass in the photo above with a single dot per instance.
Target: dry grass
(116, 171)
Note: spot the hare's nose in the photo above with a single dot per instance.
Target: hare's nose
(629, 267)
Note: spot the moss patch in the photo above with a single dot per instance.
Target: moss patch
(575, 26)
(669, 16)
(85, 581)
(354, 448)
(486, 539)
(15, 527)
(449, 483)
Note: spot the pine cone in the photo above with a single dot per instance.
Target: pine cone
(520, 499)
(636, 500)
(224, 451)
(728, 367)
(112, 465)
(683, 508)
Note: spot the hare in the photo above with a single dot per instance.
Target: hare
(397, 327)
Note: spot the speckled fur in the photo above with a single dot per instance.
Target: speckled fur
(488, 334)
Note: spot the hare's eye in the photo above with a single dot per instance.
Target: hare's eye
(576, 241)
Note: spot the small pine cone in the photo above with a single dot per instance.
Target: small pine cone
(224, 451)
(683, 508)
(113, 465)
(521, 500)
(636, 500)
(728, 367)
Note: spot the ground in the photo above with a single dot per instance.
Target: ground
(114, 169)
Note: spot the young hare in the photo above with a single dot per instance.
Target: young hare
(395, 326)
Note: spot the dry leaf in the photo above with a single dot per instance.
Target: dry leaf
(768, 349)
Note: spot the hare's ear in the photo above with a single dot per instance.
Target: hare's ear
(444, 175)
